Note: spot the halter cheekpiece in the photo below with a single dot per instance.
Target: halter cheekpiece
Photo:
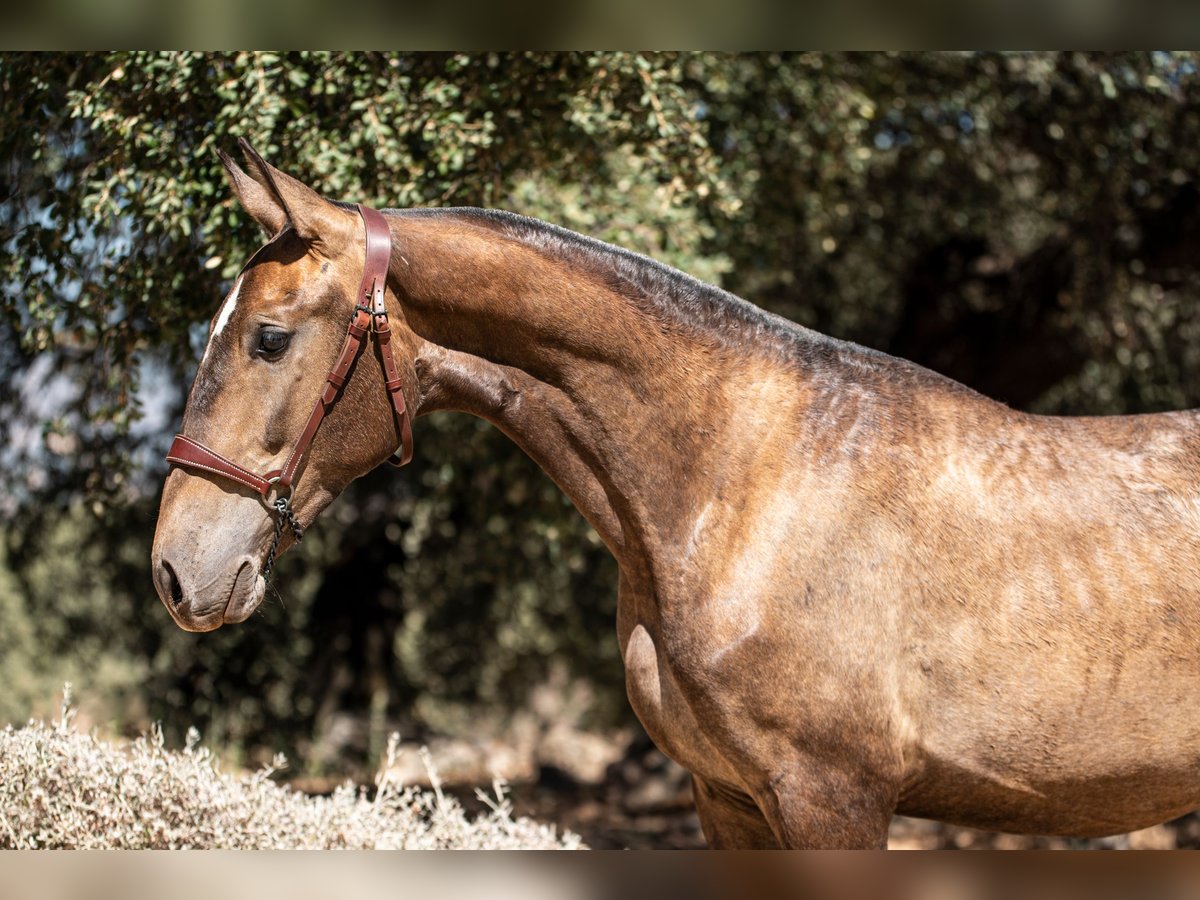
(370, 314)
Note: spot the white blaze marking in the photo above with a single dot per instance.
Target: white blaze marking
(224, 314)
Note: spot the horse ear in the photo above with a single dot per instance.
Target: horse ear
(257, 200)
(315, 219)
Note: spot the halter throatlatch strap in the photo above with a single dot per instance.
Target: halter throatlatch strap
(379, 248)
(370, 314)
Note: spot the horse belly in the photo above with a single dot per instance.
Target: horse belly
(1072, 759)
(1087, 806)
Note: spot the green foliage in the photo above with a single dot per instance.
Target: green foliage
(1025, 223)
(118, 228)
(1021, 222)
(69, 614)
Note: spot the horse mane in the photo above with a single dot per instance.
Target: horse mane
(723, 319)
(657, 288)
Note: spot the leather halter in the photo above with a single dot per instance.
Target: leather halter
(370, 314)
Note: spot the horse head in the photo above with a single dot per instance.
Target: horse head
(251, 408)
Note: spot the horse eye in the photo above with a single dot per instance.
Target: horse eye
(271, 342)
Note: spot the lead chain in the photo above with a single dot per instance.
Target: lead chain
(283, 513)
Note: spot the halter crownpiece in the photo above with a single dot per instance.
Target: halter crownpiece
(370, 314)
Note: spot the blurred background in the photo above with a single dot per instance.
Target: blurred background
(1028, 224)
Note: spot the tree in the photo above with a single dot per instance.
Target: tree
(119, 235)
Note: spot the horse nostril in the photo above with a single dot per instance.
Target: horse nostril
(173, 581)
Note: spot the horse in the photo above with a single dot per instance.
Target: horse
(849, 587)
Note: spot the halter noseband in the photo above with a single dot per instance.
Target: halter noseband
(370, 314)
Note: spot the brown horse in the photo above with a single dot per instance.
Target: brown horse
(848, 586)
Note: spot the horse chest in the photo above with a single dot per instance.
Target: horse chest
(663, 710)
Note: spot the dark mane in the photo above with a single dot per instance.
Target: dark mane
(674, 296)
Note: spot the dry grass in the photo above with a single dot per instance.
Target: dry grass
(60, 788)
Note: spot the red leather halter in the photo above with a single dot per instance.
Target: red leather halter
(370, 313)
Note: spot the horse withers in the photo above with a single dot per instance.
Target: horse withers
(849, 587)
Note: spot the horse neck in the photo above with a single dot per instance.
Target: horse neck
(618, 407)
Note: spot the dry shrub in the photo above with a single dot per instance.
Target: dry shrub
(61, 788)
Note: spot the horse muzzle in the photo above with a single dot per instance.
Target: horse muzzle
(201, 602)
